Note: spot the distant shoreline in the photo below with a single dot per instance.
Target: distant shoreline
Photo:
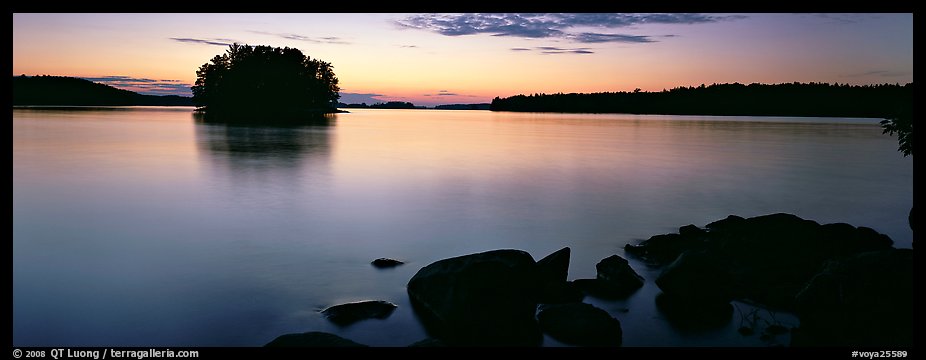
(789, 99)
(69, 91)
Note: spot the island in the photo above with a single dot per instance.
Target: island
(267, 82)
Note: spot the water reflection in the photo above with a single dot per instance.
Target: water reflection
(247, 147)
(217, 233)
(264, 164)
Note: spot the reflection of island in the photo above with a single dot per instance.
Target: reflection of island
(245, 153)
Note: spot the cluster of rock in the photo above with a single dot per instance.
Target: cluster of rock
(848, 286)
(497, 298)
(492, 298)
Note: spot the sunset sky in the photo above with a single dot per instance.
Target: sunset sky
(431, 59)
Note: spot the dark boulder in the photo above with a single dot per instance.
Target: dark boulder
(554, 268)
(580, 324)
(731, 221)
(691, 230)
(698, 277)
(559, 293)
(771, 257)
(864, 300)
(346, 314)
(312, 339)
(552, 272)
(383, 263)
(484, 299)
(766, 259)
(617, 277)
(871, 240)
(660, 250)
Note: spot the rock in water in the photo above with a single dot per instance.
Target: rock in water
(346, 314)
(383, 263)
(312, 339)
(663, 249)
(766, 259)
(555, 267)
(691, 230)
(484, 299)
(581, 324)
(552, 272)
(699, 277)
(615, 273)
(864, 300)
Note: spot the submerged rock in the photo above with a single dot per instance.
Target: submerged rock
(383, 263)
(312, 339)
(580, 324)
(484, 299)
(346, 314)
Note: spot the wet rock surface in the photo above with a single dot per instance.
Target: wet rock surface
(349, 313)
(385, 263)
(485, 299)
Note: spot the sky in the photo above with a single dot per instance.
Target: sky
(439, 58)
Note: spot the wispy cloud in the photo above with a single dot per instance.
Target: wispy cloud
(145, 85)
(588, 37)
(217, 42)
(561, 26)
(311, 39)
(549, 50)
(409, 46)
(835, 18)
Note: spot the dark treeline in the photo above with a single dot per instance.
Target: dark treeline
(794, 99)
(64, 91)
(386, 105)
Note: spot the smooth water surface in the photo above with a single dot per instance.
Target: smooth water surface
(146, 226)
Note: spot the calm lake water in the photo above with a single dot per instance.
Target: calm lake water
(143, 226)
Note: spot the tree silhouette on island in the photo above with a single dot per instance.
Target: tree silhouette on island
(263, 80)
